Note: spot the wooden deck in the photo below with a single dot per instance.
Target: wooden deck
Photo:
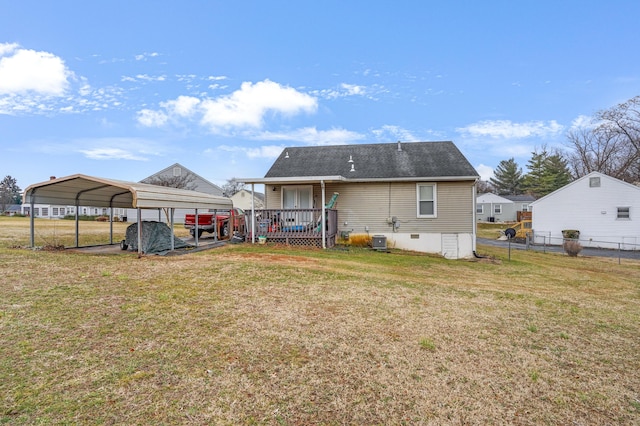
(295, 227)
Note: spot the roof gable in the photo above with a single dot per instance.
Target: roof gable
(374, 161)
(490, 197)
(201, 184)
(579, 181)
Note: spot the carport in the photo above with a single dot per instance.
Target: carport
(82, 190)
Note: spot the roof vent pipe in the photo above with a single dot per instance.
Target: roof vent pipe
(399, 147)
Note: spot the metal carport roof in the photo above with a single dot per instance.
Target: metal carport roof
(83, 190)
(100, 192)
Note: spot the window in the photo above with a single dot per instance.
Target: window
(497, 208)
(45, 211)
(479, 209)
(177, 171)
(525, 207)
(427, 203)
(624, 213)
(594, 182)
(55, 211)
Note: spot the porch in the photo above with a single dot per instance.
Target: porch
(295, 227)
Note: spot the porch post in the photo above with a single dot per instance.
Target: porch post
(323, 216)
(253, 213)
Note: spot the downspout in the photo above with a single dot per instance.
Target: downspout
(323, 216)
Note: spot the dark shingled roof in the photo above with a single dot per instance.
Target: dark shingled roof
(374, 161)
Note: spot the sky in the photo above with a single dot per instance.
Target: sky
(124, 89)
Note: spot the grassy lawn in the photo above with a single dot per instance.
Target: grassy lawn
(269, 335)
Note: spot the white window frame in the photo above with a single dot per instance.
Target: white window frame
(497, 209)
(525, 207)
(626, 215)
(434, 200)
(479, 208)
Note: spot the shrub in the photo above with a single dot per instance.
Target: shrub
(572, 247)
(360, 240)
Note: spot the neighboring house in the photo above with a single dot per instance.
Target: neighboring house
(501, 208)
(51, 211)
(175, 171)
(420, 196)
(242, 199)
(605, 210)
(12, 210)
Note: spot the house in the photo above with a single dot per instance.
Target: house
(12, 210)
(242, 199)
(605, 210)
(416, 196)
(501, 208)
(176, 173)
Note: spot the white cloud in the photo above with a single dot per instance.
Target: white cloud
(394, 133)
(266, 151)
(508, 130)
(24, 70)
(145, 56)
(111, 154)
(150, 118)
(183, 106)
(243, 109)
(312, 136)
(248, 106)
(344, 90)
(583, 122)
(485, 172)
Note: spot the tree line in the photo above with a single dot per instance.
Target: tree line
(609, 143)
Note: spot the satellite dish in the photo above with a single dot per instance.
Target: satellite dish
(510, 233)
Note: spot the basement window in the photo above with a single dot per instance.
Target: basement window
(624, 213)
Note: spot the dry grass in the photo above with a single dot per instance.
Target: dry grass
(266, 335)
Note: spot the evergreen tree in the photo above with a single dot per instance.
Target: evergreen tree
(547, 172)
(9, 193)
(507, 178)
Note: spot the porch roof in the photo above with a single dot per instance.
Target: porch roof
(100, 192)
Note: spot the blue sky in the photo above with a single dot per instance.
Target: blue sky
(123, 89)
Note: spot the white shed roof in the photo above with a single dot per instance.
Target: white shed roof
(99, 192)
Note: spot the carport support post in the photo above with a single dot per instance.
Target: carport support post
(110, 225)
(139, 232)
(173, 244)
(77, 222)
(32, 229)
(195, 230)
(215, 225)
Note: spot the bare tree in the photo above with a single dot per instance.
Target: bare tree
(183, 181)
(610, 145)
(232, 187)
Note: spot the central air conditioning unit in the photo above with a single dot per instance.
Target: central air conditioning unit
(379, 242)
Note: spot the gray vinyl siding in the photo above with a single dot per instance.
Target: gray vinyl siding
(369, 205)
